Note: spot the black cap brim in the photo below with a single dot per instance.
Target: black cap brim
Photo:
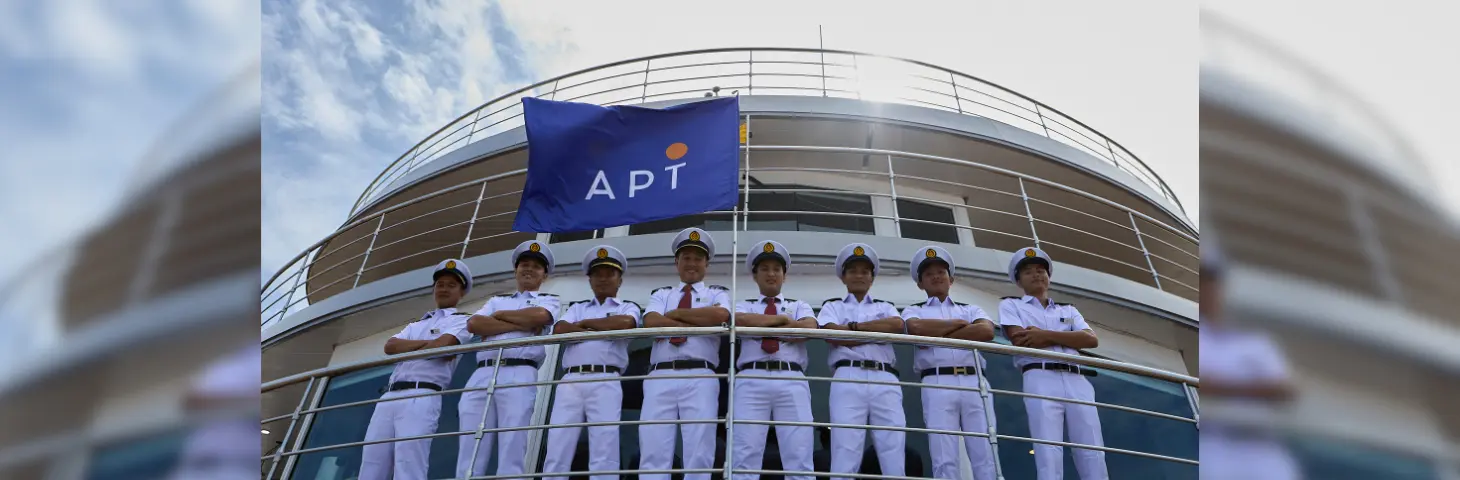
(848, 262)
(460, 277)
(533, 255)
(605, 262)
(769, 256)
(930, 262)
(692, 243)
(1026, 261)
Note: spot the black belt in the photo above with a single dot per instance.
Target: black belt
(592, 369)
(1061, 367)
(410, 385)
(772, 366)
(508, 362)
(682, 365)
(950, 371)
(867, 364)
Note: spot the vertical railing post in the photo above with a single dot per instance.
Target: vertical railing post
(1039, 112)
(293, 421)
(298, 278)
(473, 224)
(987, 398)
(823, 69)
(361, 272)
(1139, 238)
(892, 183)
(476, 117)
(308, 421)
(486, 408)
(750, 83)
(735, 225)
(857, 72)
(1373, 248)
(956, 101)
(1193, 401)
(553, 95)
(644, 94)
(1028, 213)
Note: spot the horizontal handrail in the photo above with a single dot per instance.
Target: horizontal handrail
(1122, 158)
(541, 340)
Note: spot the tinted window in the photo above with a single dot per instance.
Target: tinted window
(575, 236)
(927, 231)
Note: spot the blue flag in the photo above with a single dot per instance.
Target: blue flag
(591, 167)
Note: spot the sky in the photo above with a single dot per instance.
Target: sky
(349, 86)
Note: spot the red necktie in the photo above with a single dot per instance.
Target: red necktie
(684, 302)
(770, 344)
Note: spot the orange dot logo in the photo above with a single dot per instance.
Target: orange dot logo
(676, 151)
(602, 253)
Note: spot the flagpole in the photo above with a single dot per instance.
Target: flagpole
(735, 222)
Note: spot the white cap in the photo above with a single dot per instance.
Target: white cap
(604, 255)
(767, 250)
(454, 267)
(857, 251)
(1027, 255)
(694, 237)
(531, 249)
(927, 254)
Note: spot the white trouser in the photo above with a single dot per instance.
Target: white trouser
(1224, 457)
(782, 400)
(1047, 422)
(866, 404)
(395, 419)
(679, 399)
(597, 402)
(511, 407)
(958, 410)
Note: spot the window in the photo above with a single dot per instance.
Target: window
(575, 236)
(762, 201)
(927, 231)
(707, 221)
(1322, 458)
(151, 456)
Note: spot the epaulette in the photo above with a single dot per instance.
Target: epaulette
(1011, 298)
(791, 300)
(505, 295)
(1065, 304)
(548, 294)
(636, 304)
(654, 291)
(462, 313)
(919, 304)
(832, 299)
(960, 304)
(752, 299)
(578, 302)
(878, 300)
(719, 287)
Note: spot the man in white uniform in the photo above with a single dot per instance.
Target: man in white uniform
(411, 417)
(1245, 369)
(689, 304)
(761, 399)
(943, 409)
(224, 448)
(516, 315)
(860, 403)
(600, 401)
(1033, 321)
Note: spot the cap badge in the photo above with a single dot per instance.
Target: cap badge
(858, 251)
(931, 253)
(694, 236)
(1029, 252)
(769, 247)
(534, 248)
(603, 253)
(450, 264)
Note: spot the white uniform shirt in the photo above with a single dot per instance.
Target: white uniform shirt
(794, 352)
(846, 310)
(935, 357)
(600, 352)
(1240, 356)
(1027, 312)
(430, 327)
(702, 347)
(519, 301)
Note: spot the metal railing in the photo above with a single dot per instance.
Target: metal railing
(317, 380)
(1152, 249)
(771, 71)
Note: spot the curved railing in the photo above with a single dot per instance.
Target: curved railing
(771, 71)
(1117, 239)
(316, 380)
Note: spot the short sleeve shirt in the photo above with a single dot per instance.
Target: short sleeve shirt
(519, 301)
(432, 325)
(794, 352)
(600, 352)
(846, 310)
(946, 309)
(703, 347)
(1027, 312)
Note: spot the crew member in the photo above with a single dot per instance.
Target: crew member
(861, 403)
(1034, 321)
(442, 327)
(604, 360)
(522, 314)
(787, 399)
(944, 409)
(689, 304)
